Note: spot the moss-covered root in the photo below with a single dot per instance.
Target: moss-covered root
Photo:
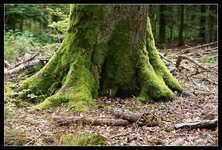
(153, 86)
(156, 62)
(76, 89)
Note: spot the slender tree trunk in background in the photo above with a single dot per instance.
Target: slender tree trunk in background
(45, 21)
(21, 25)
(180, 39)
(215, 22)
(171, 20)
(211, 21)
(109, 50)
(162, 23)
(202, 28)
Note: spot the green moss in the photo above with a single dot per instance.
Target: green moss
(83, 67)
(70, 68)
(83, 140)
(7, 89)
(156, 62)
(152, 85)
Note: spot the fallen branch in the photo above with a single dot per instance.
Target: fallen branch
(141, 119)
(90, 121)
(25, 66)
(165, 58)
(197, 124)
(187, 50)
(181, 57)
(205, 93)
(27, 60)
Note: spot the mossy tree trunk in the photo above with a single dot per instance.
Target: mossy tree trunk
(109, 50)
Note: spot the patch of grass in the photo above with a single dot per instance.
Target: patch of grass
(15, 137)
(83, 139)
(207, 58)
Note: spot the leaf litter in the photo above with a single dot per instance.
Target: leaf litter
(201, 104)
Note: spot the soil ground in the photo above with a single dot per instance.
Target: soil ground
(202, 104)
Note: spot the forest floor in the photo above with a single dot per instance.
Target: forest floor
(202, 104)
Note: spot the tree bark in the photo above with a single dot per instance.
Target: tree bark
(109, 50)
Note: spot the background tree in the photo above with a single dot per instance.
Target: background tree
(162, 23)
(202, 23)
(108, 50)
(180, 39)
(212, 22)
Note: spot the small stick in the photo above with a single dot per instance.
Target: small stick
(181, 57)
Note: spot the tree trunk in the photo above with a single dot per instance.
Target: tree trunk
(109, 50)
(180, 39)
(162, 22)
(211, 22)
(202, 23)
(171, 20)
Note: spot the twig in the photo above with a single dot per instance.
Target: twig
(181, 57)
(165, 58)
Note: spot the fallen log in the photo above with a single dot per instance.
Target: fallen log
(142, 119)
(197, 124)
(64, 121)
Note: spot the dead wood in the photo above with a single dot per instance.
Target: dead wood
(187, 50)
(90, 121)
(197, 124)
(165, 58)
(25, 66)
(141, 119)
(181, 57)
(27, 60)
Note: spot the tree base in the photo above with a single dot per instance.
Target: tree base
(91, 62)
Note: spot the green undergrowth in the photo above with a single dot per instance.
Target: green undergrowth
(207, 59)
(12, 99)
(81, 140)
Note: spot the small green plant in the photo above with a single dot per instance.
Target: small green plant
(82, 139)
(207, 58)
